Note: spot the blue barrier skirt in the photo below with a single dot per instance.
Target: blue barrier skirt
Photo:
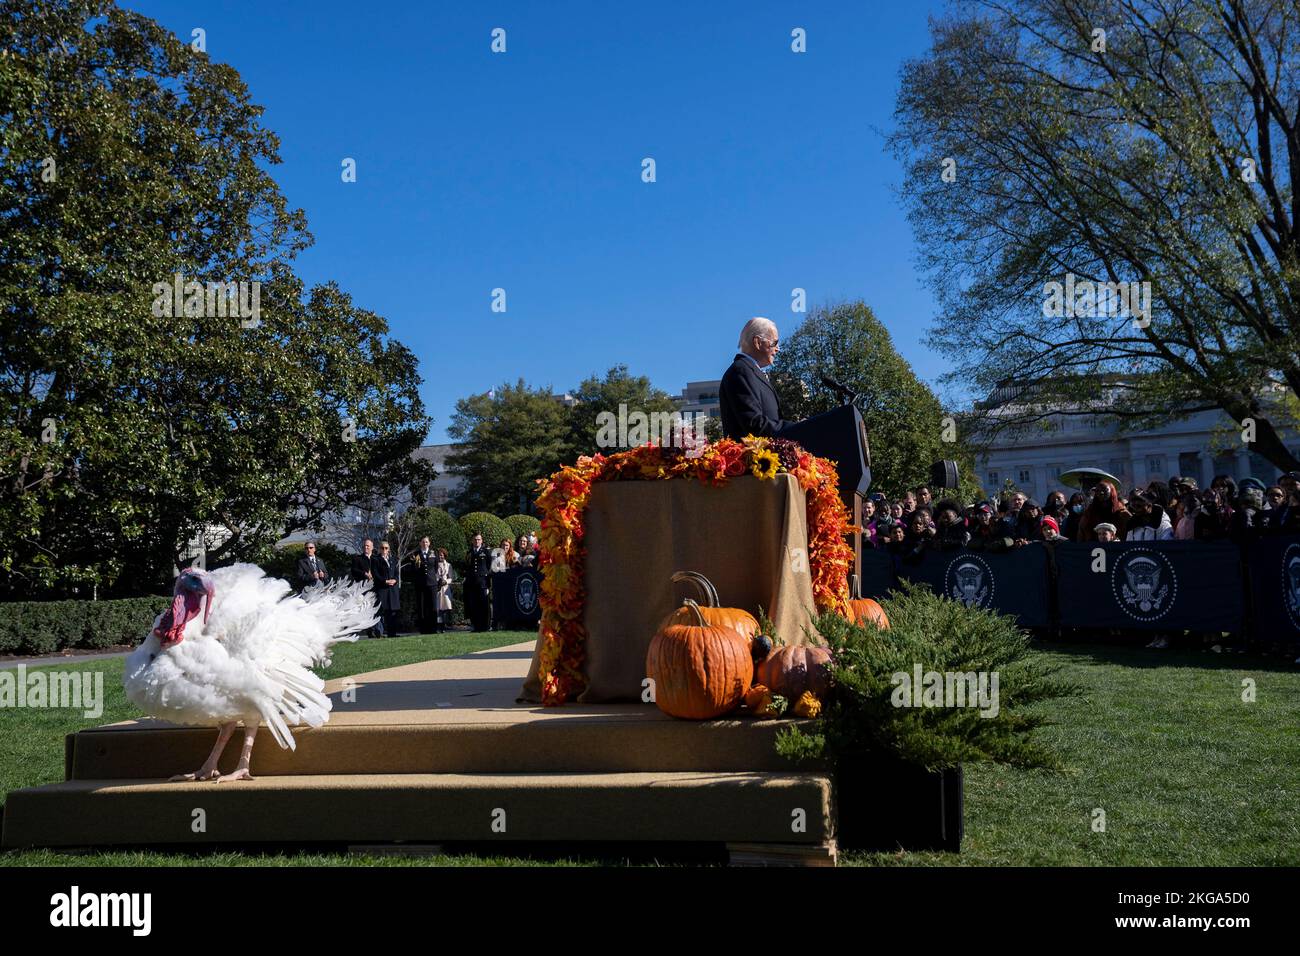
(1013, 582)
(1274, 572)
(1150, 585)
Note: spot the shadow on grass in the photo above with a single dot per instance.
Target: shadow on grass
(1126, 655)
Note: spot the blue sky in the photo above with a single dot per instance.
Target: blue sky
(522, 171)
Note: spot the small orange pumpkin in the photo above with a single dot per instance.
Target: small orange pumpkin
(739, 620)
(700, 670)
(792, 670)
(865, 609)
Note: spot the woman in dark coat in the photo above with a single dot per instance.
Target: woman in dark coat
(1027, 520)
(387, 594)
(1074, 515)
(1105, 508)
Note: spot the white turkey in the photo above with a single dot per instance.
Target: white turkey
(246, 658)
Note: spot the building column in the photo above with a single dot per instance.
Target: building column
(1042, 483)
(1206, 462)
(1138, 466)
(1240, 464)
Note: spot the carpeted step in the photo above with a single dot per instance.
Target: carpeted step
(731, 807)
(563, 742)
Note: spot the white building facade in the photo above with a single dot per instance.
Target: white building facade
(1199, 446)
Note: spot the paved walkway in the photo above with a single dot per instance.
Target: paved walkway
(60, 659)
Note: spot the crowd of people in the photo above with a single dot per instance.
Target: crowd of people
(1239, 511)
(431, 573)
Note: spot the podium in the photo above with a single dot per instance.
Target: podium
(841, 436)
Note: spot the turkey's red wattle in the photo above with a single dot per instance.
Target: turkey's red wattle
(185, 607)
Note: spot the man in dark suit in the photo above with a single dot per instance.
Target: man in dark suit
(425, 579)
(311, 569)
(387, 595)
(362, 569)
(747, 400)
(478, 578)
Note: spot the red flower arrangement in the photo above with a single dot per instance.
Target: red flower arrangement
(563, 502)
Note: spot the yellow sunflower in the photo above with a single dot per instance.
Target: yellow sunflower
(765, 464)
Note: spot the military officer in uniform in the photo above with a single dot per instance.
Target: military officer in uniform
(478, 585)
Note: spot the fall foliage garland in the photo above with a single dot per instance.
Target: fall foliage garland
(563, 503)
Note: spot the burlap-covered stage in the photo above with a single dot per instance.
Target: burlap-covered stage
(749, 538)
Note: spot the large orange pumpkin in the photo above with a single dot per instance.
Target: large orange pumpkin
(865, 609)
(739, 620)
(791, 670)
(700, 670)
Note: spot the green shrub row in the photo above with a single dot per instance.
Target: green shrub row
(46, 627)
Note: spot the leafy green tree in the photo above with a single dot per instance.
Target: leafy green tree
(131, 424)
(905, 422)
(505, 441)
(596, 396)
(1114, 141)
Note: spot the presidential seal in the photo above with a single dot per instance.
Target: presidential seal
(1144, 583)
(970, 581)
(1291, 582)
(526, 594)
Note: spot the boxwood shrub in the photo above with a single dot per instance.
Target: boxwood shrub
(47, 627)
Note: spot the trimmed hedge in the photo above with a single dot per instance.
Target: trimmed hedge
(46, 627)
(490, 526)
(443, 532)
(523, 524)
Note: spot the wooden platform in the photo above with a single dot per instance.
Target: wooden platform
(440, 751)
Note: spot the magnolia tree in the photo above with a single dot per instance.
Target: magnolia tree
(165, 374)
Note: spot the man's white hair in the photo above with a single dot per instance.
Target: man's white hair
(756, 326)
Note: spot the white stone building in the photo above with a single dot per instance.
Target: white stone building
(1199, 446)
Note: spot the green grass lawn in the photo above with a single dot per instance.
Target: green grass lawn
(1187, 773)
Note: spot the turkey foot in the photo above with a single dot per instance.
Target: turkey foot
(209, 769)
(241, 771)
(201, 774)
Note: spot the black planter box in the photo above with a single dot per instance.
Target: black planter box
(883, 803)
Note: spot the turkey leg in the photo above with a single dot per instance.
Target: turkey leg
(241, 771)
(209, 768)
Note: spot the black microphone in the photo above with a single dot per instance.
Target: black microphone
(845, 392)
